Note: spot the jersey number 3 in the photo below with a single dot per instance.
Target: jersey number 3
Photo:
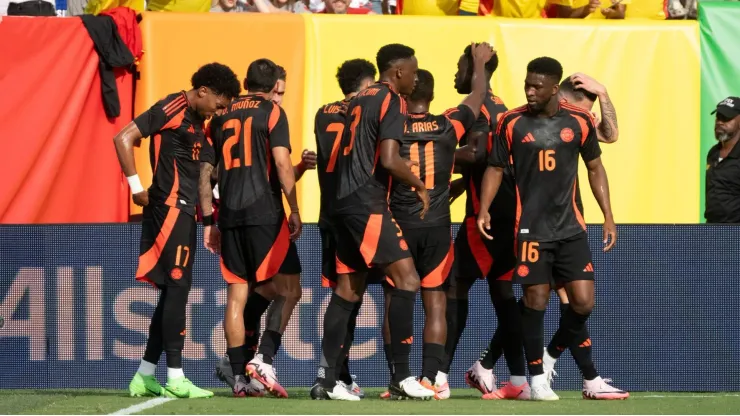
(231, 162)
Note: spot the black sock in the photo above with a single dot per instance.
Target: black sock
(559, 342)
(343, 365)
(432, 360)
(533, 326)
(401, 321)
(510, 320)
(256, 307)
(574, 326)
(335, 331)
(173, 323)
(269, 346)
(236, 358)
(388, 359)
(457, 316)
(154, 344)
(251, 343)
(495, 348)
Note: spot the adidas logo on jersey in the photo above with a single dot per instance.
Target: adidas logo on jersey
(528, 138)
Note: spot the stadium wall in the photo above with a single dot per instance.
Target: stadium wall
(638, 60)
(720, 59)
(74, 316)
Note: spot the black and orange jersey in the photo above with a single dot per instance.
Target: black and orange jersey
(375, 114)
(328, 128)
(429, 140)
(242, 142)
(544, 154)
(503, 208)
(177, 137)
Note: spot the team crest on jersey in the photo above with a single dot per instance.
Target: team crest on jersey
(523, 270)
(403, 245)
(176, 273)
(567, 135)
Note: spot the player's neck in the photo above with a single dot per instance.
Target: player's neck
(191, 95)
(387, 80)
(350, 96)
(551, 108)
(417, 107)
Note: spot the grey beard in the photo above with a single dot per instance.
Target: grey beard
(723, 137)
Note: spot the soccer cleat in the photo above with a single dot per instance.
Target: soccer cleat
(481, 379)
(510, 392)
(144, 386)
(265, 374)
(319, 393)
(409, 388)
(600, 389)
(441, 392)
(548, 365)
(223, 371)
(240, 386)
(355, 389)
(341, 393)
(182, 388)
(386, 395)
(543, 392)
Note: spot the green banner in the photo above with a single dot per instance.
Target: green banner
(719, 23)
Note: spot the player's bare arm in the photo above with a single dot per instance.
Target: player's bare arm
(308, 162)
(608, 129)
(211, 234)
(471, 153)
(457, 188)
(124, 144)
(482, 53)
(395, 165)
(600, 188)
(286, 175)
(489, 188)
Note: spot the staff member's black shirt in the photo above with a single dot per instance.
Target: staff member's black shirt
(723, 186)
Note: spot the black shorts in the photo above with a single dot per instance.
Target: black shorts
(329, 260)
(554, 262)
(167, 248)
(256, 253)
(433, 254)
(478, 258)
(368, 240)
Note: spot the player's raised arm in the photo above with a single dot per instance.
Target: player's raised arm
(608, 129)
(482, 53)
(280, 143)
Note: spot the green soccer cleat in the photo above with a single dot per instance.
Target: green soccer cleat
(144, 386)
(182, 388)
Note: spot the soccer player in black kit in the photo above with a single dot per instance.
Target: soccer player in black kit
(251, 147)
(429, 142)
(478, 258)
(367, 235)
(175, 125)
(542, 141)
(353, 76)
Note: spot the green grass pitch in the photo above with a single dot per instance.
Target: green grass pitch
(463, 401)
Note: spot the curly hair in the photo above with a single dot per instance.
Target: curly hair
(351, 73)
(218, 78)
(546, 66)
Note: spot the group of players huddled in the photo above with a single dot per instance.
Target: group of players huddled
(384, 166)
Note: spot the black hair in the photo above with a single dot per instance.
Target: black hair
(218, 78)
(491, 65)
(578, 94)
(546, 66)
(262, 75)
(389, 54)
(282, 75)
(351, 73)
(424, 89)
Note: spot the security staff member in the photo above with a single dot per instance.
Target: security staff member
(723, 165)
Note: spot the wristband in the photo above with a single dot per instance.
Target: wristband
(135, 184)
(207, 220)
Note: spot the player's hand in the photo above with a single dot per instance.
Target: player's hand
(484, 224)
(295, 225)
(597, 119)
(593, 5)
(142, 198)
(608, 12)
(308, 159)
(610, 234)
(423, 196)
(483, 52)
(586, 83)
(212, 239)
(410, 163)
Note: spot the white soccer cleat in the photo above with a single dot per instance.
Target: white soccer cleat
(548, 365)
(541, 390)
(413, 389)
(481, 379)
(443, 387)
(355, 389)
(600, 389)
(340, 392)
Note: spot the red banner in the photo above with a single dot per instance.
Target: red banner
(59, 164)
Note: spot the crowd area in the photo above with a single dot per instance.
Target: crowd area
(571, 9)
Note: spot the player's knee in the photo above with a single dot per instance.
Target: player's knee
(500, 291)
(535, 299)
(582, 306)
(457, 291)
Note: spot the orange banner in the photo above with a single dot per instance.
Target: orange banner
(176, 45)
